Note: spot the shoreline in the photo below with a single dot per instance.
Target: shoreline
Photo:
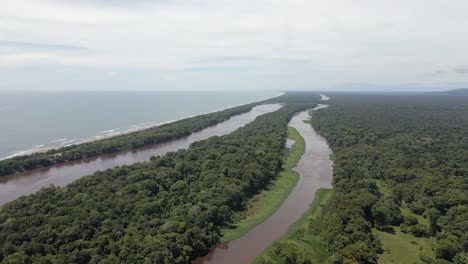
(113, 132)
(13, 186)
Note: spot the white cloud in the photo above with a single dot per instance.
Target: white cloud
(37, 59)
(278, 44)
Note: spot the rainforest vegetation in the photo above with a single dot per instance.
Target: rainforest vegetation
(133, 140)
(400, 169)
(167, 210)
(400, 174)
(265, 203)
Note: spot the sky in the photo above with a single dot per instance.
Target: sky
(401, 45)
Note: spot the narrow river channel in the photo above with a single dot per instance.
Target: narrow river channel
(16, 185)
(315, 170)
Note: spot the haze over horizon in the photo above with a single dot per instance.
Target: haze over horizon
(243, 45)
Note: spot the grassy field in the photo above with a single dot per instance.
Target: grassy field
(264, 204)
(299, 238)
(400, 246)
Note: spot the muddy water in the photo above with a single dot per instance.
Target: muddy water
(14, 186)
(315, 170)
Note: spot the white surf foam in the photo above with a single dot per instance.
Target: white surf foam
(58, 140)
(106, 131)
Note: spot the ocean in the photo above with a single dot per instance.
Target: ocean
(36, 121)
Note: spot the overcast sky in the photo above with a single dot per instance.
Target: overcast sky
(233, 45)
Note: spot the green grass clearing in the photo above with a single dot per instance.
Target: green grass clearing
(401, 246)
(264, 204)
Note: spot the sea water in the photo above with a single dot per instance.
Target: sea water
(36, 121)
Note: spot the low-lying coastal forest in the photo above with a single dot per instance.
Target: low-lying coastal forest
(400, 188)
(137, 139)
(167, 210)
(400, 191)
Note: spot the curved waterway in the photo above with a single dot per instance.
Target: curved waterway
(16, 185)
(315, 171)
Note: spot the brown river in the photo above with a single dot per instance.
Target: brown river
(16, 185)
(315, 170)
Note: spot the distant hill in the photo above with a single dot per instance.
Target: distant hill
(462, 91)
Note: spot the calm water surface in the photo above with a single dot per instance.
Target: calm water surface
(35, 121)
(14, 186)
(315, 170)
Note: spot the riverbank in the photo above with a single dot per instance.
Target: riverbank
(299, 237)
(16, 185)
(264, 204)
(66, 148)
(175, 203)
(315, 170)
(60, 119)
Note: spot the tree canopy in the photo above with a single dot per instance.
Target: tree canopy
(396, 153)
(167, 210)
(145, 137)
